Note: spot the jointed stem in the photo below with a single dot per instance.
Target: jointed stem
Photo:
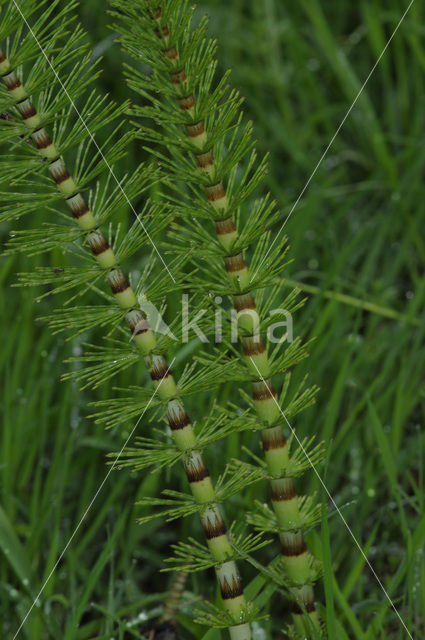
(227, 573)
(296, 559)
(173, 600)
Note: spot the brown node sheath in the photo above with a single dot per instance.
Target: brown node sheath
(215, 192)
(133, 318)
(61, 176)
(195, 130)
(244, 301)
(97, 242)
(292, 544)
(78, 205)
(118, 282)
(231, 590)
(196, 471)
(214, 529)
(41, 138)
(171, 54)
(263, 390)
(137, 322)
(283, 490)
(178, 77)
(160, 370)
(175, 411)
(223, 227)
(141, 327)
(205, 159)
(275, 440)
(234, 263)
(11, 80)
(26, 109)
(253, 345)
(178, 421)
(2, 57)
(186, 103)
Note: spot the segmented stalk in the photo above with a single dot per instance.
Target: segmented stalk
(201, 486)
(297, 560)
(172, 603)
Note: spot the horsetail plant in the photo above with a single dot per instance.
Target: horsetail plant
(36, 108)
(215, 168)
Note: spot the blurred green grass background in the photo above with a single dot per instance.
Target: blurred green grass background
(358, 250)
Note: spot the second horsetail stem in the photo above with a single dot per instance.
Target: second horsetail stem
(211, 151)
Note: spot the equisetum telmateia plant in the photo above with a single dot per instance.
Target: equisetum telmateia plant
(37, 111)
(211, 152)
(46, 74)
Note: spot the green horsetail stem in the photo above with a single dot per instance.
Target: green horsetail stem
(296, 558)
(172, 603)
(201, 486)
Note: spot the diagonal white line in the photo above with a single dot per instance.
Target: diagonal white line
(93, 140)
(338, 510)
(304, 189)
(90, 506)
